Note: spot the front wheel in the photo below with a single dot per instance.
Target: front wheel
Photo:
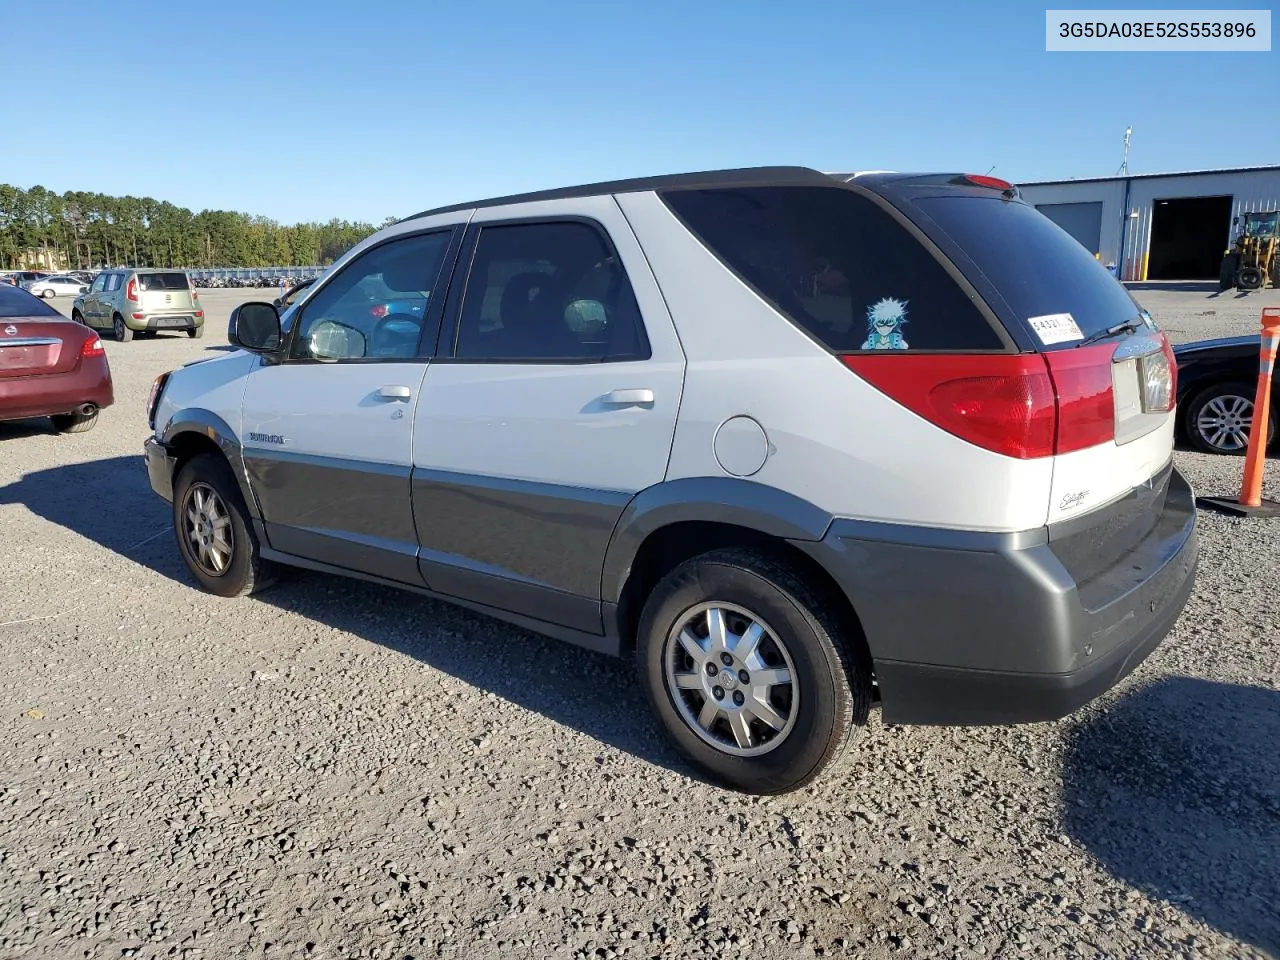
(122, 332)
(213, 529)
(1218, 419)
(1227, 272)
(750, 671)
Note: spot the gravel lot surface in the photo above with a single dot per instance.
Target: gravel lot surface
(339, 770)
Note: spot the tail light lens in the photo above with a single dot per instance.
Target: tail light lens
(131, 291)
(1002, 402)
(93, 347)
(1159, 376)
(1020, 405)
(1086, 400)
(199, 313)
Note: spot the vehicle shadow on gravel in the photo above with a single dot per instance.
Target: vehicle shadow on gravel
(106, 501)
(110, 502)
(1176, 790)
(579, 689)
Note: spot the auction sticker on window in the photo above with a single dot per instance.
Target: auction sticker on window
(1055, 328)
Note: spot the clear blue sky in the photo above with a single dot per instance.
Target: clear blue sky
(311, 110)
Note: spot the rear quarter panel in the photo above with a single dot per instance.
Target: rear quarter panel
(833, 440)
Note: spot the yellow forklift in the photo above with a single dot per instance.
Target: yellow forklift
(1254, 261)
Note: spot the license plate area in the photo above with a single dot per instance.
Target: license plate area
(1129, 389)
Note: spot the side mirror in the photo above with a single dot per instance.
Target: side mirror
(255, 326)
(84, 289)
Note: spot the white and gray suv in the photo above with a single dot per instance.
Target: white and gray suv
(798, 442)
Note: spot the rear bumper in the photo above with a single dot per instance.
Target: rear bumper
(973, 628)
(164, 321)
(159, 467)
(50, 394)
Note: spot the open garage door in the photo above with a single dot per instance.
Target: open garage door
(1188, 236)
(1082, 220)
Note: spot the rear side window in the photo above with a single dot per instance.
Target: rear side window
(1039, 268)
(113, 282)
(163, 281)
(16, 302)
(548, 292)
(838, 266)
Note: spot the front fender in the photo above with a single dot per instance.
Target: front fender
(729, 500)
(207, 424)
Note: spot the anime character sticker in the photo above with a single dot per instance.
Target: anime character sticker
(885, 319)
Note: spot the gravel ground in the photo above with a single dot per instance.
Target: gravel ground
(340, 770)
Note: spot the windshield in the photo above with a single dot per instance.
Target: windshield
(15, 302)
(1038, 268)
(1262, 225)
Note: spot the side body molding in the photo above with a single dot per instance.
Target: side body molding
(730, 500)
(213, 427)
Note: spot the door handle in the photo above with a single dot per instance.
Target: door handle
(395, 393)
(628, 398)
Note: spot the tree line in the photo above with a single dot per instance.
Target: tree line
(78, 230)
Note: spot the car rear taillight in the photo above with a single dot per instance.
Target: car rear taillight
(92, 347)
(1001, 402)
(137, 316)
(1020, 405)
(199, 313)
(1086, 400)
(131, 291)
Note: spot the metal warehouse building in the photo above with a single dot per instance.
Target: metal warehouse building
(1158, 226)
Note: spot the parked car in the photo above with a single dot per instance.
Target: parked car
(59, 285)
(20, 277)
(133, 301)
(49, 366)
(1217, 383)
(793, 441)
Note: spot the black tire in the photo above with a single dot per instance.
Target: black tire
(47, 294)
(1227, 272)
(195, 333)
(245, 572)
(78, 317)
(122, 332)
(1236, 401)
(832, 671)
(1249, 278)
(74, 422)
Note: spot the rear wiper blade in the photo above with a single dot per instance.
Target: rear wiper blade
(1129, 326)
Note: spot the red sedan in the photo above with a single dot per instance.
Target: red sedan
(49, 366)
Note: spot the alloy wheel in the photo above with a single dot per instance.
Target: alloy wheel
(207, 528)
(1224, 423)
(731, 679)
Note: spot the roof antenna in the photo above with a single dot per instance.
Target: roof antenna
(1124, 163)
(989, 169)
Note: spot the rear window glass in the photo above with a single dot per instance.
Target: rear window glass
(838, 266)
(16, 302)
(163, 281)
(1039, 268)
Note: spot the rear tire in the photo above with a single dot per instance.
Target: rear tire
(46, 293)
(1218, 419)
(213, 529)
(74, 422)
(758, 735)
(195, 333)
(78, 317)
(122, 332)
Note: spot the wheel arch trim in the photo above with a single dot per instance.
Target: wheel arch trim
(727, 500)
(209, 425)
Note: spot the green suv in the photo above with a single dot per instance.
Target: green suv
(134, 301)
